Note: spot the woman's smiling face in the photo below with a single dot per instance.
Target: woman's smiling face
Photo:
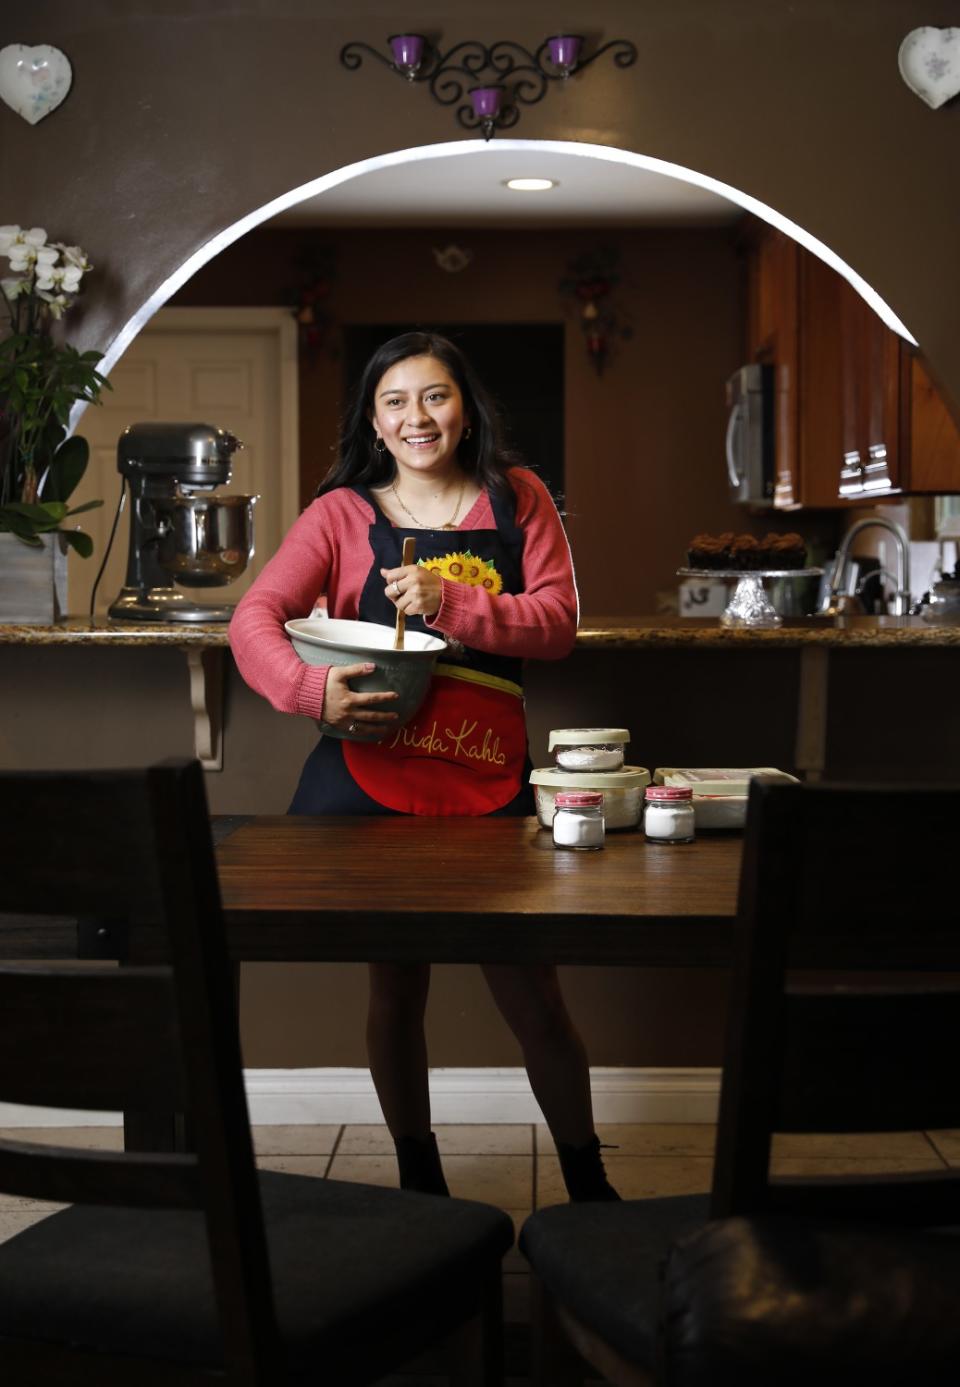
(418, 411)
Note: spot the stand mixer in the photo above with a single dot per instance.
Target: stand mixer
(179, 532)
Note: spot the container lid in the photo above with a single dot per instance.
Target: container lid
(586, 736)
(668, 794)
(626, 778)
(717, 780)
(578, 799)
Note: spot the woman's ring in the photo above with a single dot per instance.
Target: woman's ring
(396, 587)
(354, 727)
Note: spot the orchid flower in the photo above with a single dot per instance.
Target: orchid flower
(70, 276)
(21, 257)
(27, 244)
(56, 303)
(73, 256)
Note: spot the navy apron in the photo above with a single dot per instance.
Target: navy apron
(464, 752)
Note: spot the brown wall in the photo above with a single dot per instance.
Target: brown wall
(643, 440)
(185, 116)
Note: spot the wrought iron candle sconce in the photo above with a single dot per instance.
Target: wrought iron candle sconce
(496, 80)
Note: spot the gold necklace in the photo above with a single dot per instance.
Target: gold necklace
(451, 523)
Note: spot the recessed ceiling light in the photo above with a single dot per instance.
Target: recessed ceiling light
(529, 185)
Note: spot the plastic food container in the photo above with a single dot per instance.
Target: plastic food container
(719, 793)
(622, 792)
(588, 748)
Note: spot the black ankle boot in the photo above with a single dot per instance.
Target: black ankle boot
(583, 1173)
(420, 1168)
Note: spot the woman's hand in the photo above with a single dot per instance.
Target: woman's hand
(413, 590)
(349, 711)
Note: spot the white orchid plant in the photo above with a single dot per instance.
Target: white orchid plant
(41, 378)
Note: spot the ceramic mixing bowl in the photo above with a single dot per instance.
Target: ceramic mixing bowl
(407, 672)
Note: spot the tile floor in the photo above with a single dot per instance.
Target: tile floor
(516, 1168)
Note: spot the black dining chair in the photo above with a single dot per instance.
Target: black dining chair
(188, 1267)
(844, 1016)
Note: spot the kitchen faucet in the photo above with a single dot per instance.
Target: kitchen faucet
(901, 597)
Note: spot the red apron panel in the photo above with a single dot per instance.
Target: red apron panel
(463, 753)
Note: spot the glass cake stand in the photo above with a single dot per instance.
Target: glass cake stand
(750, 605)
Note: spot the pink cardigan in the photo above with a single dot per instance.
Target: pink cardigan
(327, 553)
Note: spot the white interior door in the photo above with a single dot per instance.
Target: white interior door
(232, 368)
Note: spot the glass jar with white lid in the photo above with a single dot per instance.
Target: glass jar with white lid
(588, 748)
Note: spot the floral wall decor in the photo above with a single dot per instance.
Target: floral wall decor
(34, 81)
(318, 267)
(591, 279)
(452, 258)
(41, 378)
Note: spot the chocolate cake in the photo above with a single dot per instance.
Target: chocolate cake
(746, 553)
(710, 551)
(784, 551)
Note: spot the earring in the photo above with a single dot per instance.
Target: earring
(467, 432)
(379, 445)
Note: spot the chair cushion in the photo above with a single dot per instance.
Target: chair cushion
(603, 1262)
(755, 1301)
(362, 1275)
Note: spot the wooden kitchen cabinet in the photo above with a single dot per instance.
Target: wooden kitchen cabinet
(773, 301)
(857, 415)
(929, 434)
(870, 463)
(820, 386)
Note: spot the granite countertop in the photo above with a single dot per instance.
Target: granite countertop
(870, 632)
(78, 630)
(596, 633)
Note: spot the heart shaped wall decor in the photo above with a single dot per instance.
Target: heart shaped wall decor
(929, 62)
(33, 81)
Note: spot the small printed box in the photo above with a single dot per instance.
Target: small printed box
(701, 597)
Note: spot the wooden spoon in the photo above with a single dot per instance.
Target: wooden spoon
(409, 545)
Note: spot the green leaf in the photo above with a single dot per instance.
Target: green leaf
(67, 468)
(87, 505)
(79, 541)
(16, 525)
(44, 515)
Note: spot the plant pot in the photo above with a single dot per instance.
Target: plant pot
(33, 582)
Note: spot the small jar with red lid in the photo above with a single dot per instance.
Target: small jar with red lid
(668, 815)
(578, 820)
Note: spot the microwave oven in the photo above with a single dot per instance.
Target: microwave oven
(751, 435)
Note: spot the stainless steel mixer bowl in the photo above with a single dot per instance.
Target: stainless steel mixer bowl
(205, 541)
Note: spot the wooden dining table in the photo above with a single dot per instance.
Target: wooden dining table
(457, 890)
(448, 890)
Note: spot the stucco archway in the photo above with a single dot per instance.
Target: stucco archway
(472, 148)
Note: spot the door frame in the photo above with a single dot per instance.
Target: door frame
(281, 322)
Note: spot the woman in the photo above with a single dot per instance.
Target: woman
(421, 455)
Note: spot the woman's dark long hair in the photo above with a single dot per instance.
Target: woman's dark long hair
(483, 456)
